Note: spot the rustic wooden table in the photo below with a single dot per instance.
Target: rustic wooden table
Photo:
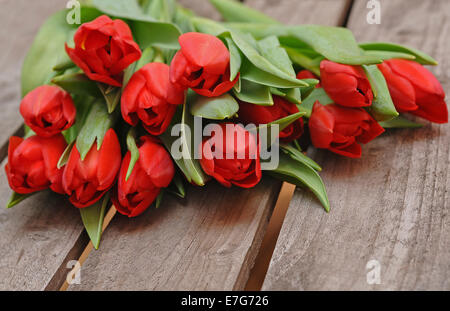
(391, 206)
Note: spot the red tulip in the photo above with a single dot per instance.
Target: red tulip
(415, 89)
(256, 114)
(48, 110)
(346, 85)
(87, 181)
(150, 97)
(154, 170)
(103, 49)
(32, 163)
(342, 129)
(202, 64)
(232, 157)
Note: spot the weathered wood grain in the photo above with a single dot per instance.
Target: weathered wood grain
(325, 12)
(40, 235)
(390, 206)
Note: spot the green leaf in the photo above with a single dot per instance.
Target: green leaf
(47, 50)
(159, 198)
(382, 108)
(334, 43)
(111, 94)
(83, 106)
(311, 64)
(300, 156)
(233, 11)
(400, 122)
(272, 132)
(183, 19)
(298, 173)
(77, 83)
(186, 162)
(148, 31)
(292, 95)
(92, 217)
(317, 94)
(132, 147)
(235, 58)
(214, 108)
(270, 49)
(98, 122)
(254, 93)
(64, 65)
(386, 55)
(16, 198)
(421, 57)
(177, 186)
(65, 155)
(161, 10)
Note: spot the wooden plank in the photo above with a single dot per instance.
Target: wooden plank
(390, 206)
(206, 242)
(325, 12)
(40, 235)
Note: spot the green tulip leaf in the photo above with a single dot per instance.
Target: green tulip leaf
(98, 122)
(147, 30)
(235, 58)
(161, 10)
(65, 156)
(183, 138)
(272, 132)
(183, 19)
(382, 108)
(77, 83)
(386, 55)
(214, 108)
(177, 186)
(300, 156)
(159, 198)
(334, 43)
(47, 50)
(420, 57)
(134, 151)
(83, 106)
(400, 122)
(301, 59)
(254, 93)
(270, 49)
(111, 94)
(317, 94)
(16, 198)
(92, 217)
(298, 173)
(233, 11)
(292, 95)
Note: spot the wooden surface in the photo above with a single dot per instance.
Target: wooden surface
(40, 235)
(390, 206)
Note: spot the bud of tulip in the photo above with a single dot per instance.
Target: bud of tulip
(346, 85)
(87, 181)
(32, 163)
(48, 110)
(103, 49)
(150, 97)
(232, 156)
(341, 129)
(153, 171)
(202, 64)
(415, 89)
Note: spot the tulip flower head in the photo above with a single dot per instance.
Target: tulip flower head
(103, 49)
(202, 64)
(342, 129)
(32, 163)
(48, 110)
(151, 98)
(231, 156)
(415, 89)
(86, 181)
(153, 171)
(346, 85)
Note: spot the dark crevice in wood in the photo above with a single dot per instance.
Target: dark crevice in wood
(347, 13)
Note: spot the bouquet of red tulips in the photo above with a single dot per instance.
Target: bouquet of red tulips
(127, 100)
